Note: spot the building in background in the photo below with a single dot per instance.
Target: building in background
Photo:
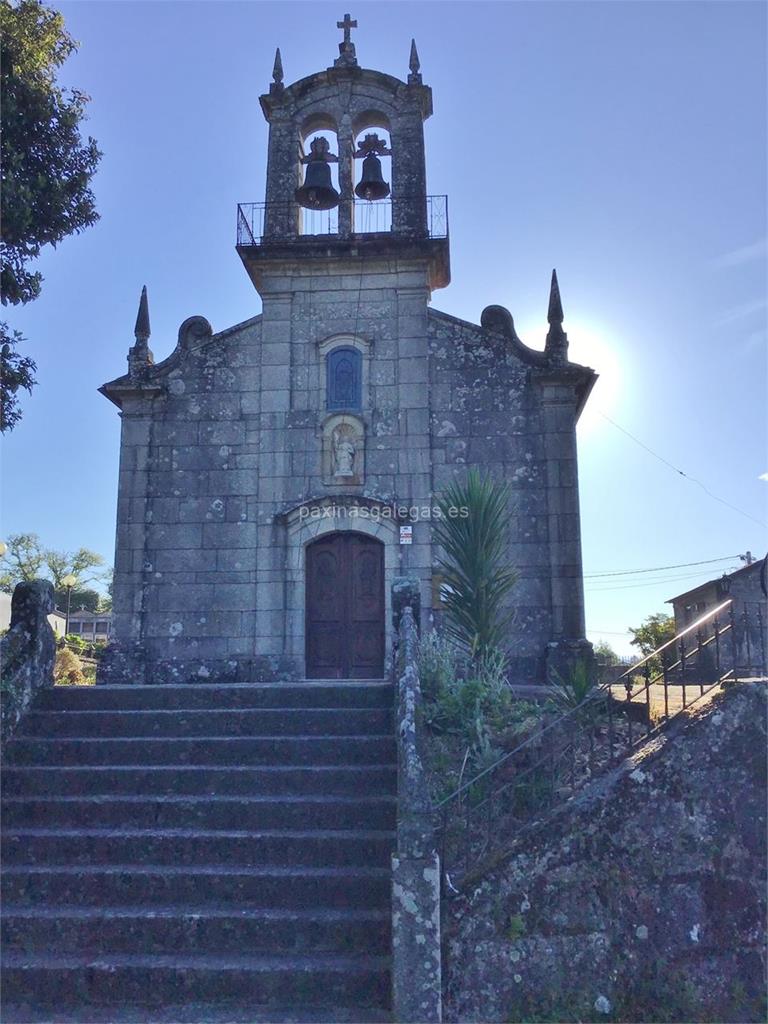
(91, 626)
(747, 589)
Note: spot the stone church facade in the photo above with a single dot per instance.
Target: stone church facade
(266, 470)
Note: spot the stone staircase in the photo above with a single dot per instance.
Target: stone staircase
(200, 853)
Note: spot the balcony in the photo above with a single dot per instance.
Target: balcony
(272, 236)
(412, 217)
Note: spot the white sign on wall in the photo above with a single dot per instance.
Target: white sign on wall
(406, 535)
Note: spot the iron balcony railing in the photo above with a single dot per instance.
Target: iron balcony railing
(413, 217)
(555, 760)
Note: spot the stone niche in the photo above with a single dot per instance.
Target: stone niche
(343, 451)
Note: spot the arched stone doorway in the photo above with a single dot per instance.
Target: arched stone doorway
(320, 517)
(345, 607)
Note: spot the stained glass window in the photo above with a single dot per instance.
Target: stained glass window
(344, 386)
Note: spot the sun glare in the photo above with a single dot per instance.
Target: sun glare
(589, 345)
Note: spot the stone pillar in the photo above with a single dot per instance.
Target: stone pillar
(27, 651)
(558, 414)
(409, 177)
(124, 661)
(346, 145)
(275, 405)
(416, 950)
(414, 480)
(416, 967)
(282, 178)
(405, 594)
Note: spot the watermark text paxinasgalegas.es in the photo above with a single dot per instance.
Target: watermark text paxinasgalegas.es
(409, 513)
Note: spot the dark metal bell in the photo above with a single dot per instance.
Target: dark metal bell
(372, 185)
(317, 192)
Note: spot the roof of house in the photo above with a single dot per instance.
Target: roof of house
(755, 567)
(84, 615)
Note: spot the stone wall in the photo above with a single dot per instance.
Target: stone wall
(493, 407)
(27, 652)
(219, 456)
(225, 442)
(643, 899)
(416, 958)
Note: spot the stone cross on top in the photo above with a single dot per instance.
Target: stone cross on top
(346, 47)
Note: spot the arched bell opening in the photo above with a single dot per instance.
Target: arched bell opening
(373, 180)
(317, 193)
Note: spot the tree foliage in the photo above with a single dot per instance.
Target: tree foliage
(472, 533)
(16, 371)
(47, 167)
(80, 597)
(86, 565)
(23, 560)
(26, 559)
(654, 631)
(605, 654)
(46, 170)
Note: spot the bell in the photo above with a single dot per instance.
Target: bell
(317, 192)
(372, 185)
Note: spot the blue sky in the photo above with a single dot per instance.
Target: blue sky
(622, 142)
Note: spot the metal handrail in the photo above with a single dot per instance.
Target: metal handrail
(676, 639)
(415, 221)
(581, 741)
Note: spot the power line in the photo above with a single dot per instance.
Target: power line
(609, 585)
(608, 632)
(661, 581)
(680, 471)
(658, 568)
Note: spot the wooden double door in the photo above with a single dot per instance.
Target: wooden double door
(345, 607)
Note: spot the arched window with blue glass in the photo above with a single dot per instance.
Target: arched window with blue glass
(344, 378)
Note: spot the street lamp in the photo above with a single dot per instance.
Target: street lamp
(68, 582)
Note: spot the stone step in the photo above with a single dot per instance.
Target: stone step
(361, 887)
(197, 1013)
(205, 812)
(316, 848)
(219, 850)
(317, 693)
(199, 780)
(153, 980)
(241, 751)
(165, 722)
(193, 928)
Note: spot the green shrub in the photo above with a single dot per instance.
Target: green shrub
(471, 719)
(483, 752)
(454, 707)
(75, 642)
(516, 928)
(68, 669)
(438, 664)
(579, 693)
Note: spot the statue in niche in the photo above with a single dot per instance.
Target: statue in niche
(343, 454)
(343, 451)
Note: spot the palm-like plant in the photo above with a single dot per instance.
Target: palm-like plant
(573, 690)
(472, 534)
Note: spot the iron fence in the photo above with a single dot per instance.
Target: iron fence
(572, 747)
(404, 216)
